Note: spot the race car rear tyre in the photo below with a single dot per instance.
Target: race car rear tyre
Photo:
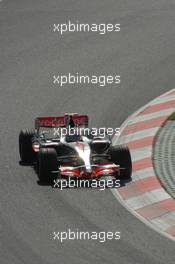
(120, 155)
(26, 152)
(47, 162)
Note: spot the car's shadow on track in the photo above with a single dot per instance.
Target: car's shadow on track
(88, 185)
(35, 169)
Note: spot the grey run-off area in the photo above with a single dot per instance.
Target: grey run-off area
(164, 155)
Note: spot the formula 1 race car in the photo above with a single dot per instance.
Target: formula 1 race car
(59, 155)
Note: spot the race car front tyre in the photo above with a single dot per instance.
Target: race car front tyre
(47, 162)
(120, 155)
(26, 152)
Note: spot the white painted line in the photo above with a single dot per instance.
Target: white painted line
(167, 93)
(162, 100)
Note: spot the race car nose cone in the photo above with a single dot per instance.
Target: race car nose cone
(86, 174)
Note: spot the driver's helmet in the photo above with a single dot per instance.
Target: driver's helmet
(69, 122)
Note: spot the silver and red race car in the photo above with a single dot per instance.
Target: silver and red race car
(75, 153)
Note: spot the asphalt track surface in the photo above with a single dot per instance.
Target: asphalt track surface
(143, 52)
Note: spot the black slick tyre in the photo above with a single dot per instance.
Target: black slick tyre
(26, 152)
(47, 162)
(120, 155)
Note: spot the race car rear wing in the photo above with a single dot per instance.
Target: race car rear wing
(79, 121)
